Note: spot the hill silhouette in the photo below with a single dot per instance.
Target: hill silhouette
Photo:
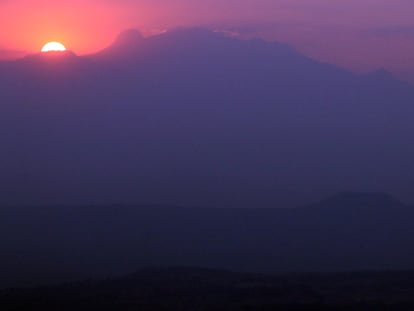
(206, 289)
(348, 232)
(192, 117)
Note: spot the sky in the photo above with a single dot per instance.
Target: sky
(361, 35)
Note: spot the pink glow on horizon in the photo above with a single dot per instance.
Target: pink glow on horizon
(358, 34)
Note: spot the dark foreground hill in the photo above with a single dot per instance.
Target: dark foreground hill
(203, 289)
(350, 231)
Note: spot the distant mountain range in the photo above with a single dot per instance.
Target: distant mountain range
(347, 232)
(192, 117)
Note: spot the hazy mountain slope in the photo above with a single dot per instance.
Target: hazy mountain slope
(193, 117)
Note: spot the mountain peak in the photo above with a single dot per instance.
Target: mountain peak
(127, 42)
(129, 37)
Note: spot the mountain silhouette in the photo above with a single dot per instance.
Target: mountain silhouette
(128, 38)
(128, 44)
(192, 117)
(347, 232)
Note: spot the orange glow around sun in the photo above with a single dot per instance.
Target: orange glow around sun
(84, 26)
(53, 47)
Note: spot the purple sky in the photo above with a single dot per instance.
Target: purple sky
(359, 34)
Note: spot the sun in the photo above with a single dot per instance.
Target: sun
(53, 47)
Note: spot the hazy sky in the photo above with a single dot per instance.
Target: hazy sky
(359, 34)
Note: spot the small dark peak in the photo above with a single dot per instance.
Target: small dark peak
(128, 38)
(361, 200)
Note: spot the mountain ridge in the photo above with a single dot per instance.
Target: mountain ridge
(196, 118)
(58, 244)
(128, 44)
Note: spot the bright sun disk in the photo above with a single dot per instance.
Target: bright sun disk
(53, 47)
